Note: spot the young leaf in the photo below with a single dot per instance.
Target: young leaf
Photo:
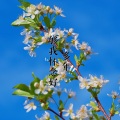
(24, 3)
(47, 21)
(22, 87)
(19, 22)
(56, 117)
(76, 59)
(95, 115)
(53, 23)
(61, 105)
(23, 93)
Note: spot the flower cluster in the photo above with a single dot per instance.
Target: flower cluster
(92, 82)
(85, 48)
(39, 28)
(82, 113)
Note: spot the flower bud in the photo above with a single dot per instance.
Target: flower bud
(47, 8)
(51, 11)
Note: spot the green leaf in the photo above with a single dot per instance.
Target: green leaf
(117, 112)
(44, 97)
(73, 74)
(75, 57)
(95, 115)
(47, 21)
(56, 117)
(30, 20)
(24, 3)
(53, 23)
(22, 87)
(19, 22)
(60, 45)
(61, 105)
(38, 39)
(23, 93)
(93, 104)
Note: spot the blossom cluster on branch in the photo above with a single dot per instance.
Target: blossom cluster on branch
(39, 28)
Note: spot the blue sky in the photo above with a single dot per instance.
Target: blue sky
(96, 21)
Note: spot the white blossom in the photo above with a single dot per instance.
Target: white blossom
(31, 50)
(114, 94)
(69, 111)
(75, 42)
(58, 11)
(70, 32)
(82, 112)
(59, 33)
(30, 106)
(97, 82)
(46, 116)
(83, 46)
(83, 82)
(70, 93)
(31, 10)
(40, 87)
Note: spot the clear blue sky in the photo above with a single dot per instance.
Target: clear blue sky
(96, 21)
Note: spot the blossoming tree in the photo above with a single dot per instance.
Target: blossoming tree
(39, 29)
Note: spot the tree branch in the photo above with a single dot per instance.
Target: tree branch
(101, 108)
(56, 113)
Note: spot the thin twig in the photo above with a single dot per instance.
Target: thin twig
(56, 113)
(55, 102)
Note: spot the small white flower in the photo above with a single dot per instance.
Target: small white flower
(75, 42)
(58, 91)
(59, 33)
(70, 32)
(82, 113)
(83, 83)
(51, 11)
(70, 93)
(58, 11)
(69, 111)
(30, 106)
(31, 50)
(27, 36)
(30, 11)
(46, 116)
(49, 34)
(40, 88)
(83, 46)
(114, 94)
(60, 70)
(41, 8)
(67, 47)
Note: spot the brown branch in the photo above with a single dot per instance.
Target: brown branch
(102, 109)
(56, 113)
